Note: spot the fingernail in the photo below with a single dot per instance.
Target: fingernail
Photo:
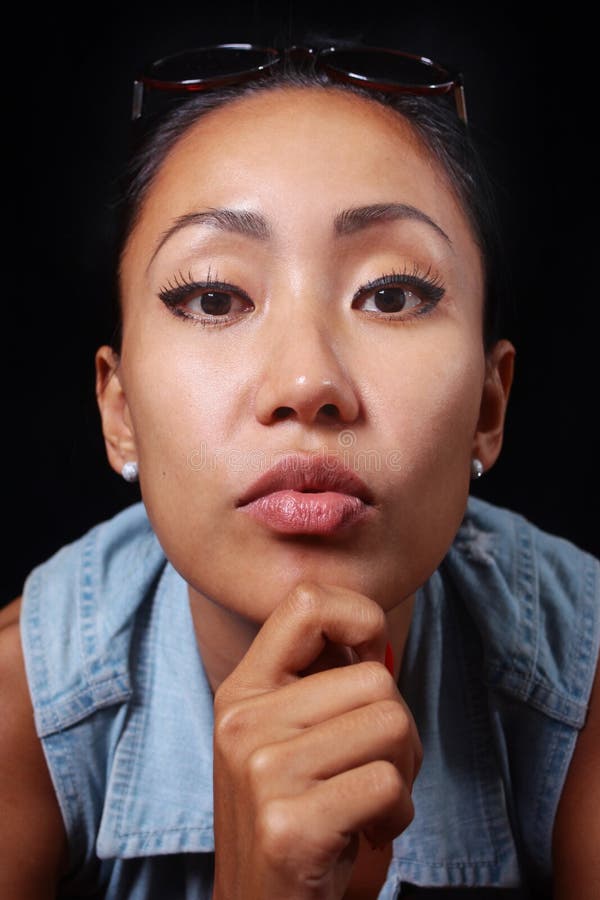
(389, 659)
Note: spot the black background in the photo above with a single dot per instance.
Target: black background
(66, 97)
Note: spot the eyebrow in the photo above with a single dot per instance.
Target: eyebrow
(351, 220)
(238, 221)
(254, 225)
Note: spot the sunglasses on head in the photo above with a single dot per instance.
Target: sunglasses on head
(208, 68)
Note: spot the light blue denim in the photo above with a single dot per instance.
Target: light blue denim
(497, 671)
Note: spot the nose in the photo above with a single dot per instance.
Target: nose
(304, 380)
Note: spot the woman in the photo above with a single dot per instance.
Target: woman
(308, 376)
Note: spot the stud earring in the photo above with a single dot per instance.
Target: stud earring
(476, 469)
(130, 471)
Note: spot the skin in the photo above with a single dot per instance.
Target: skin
(317, 757)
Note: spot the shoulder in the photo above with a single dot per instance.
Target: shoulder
(33, 838)
(518, 546)
(104, 551)
(78, 618)
(65, 650)
(535, 600)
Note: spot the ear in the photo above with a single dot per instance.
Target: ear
(487, 441)
(114, 411)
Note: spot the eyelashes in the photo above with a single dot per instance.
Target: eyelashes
(395, 296)
(182, 294)
(409, 292)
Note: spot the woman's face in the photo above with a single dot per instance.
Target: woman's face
(342, 322)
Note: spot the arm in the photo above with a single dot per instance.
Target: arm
(576, 839)
(33, 845)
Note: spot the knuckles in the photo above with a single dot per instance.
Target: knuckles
(233, 722)
(312, 603)
(386, 781)
(277, 830)
(261, 763)
(306, 600)
(393, 720)
(375, 680)
(372, 616)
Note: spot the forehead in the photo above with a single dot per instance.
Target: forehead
(300, 155)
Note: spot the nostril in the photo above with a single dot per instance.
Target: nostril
(330, 410)
(326, 411)
(283, 412)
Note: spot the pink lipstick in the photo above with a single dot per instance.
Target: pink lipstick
(308, 495)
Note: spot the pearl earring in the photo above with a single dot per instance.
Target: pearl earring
(130, 471)
(476, 469)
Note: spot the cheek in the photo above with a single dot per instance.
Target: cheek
(180, 394)
(428, 422)
(178, 404)
(428, 408)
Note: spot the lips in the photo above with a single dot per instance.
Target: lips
(308, 495)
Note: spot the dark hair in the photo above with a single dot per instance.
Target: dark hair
(434, 120)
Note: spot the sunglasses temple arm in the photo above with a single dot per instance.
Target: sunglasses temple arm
(138, 100)
(460, 100)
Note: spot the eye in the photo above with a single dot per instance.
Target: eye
(215, 303)
(208, 302)
(389, 300)
(399, 296)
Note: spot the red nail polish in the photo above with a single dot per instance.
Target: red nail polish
(389, 659)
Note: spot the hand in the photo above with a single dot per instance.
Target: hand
(305, 762)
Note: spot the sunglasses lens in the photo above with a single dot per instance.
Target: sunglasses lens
(386, 67)
(210, 63)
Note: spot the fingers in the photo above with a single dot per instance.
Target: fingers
(373, 799)
(309, 750)
(309, 701)
(384, 731)
(298, 629)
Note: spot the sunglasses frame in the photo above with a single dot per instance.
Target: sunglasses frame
(320, 59)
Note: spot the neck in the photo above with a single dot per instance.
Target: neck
(399, 619)
(223, 637)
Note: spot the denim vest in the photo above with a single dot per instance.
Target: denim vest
(497, 672)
